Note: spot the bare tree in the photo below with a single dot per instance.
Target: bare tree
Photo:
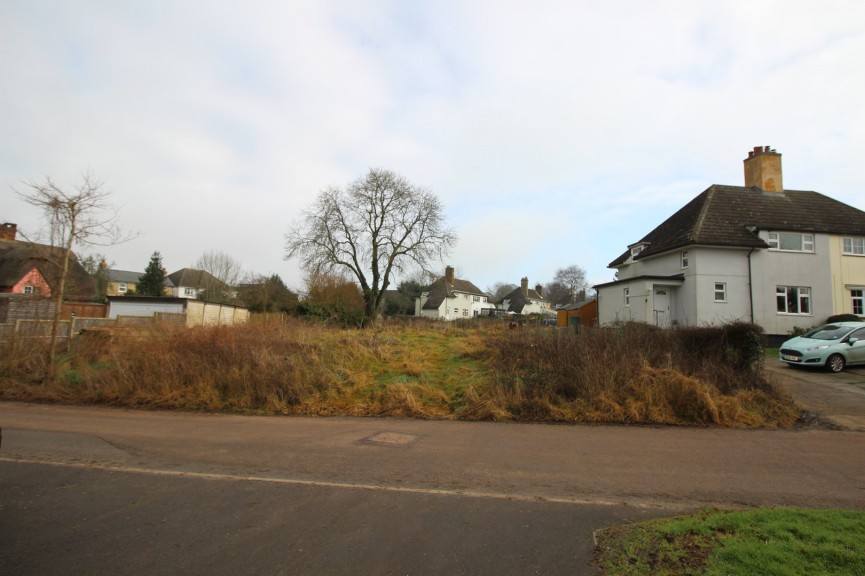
(501, 289)
(225, 274)
(573, 279)
(80, 217)
(372, 229)
(557, 293)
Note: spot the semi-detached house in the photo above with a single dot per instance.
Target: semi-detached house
(759, 253)
(450, 298)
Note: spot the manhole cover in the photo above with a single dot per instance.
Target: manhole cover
(391, 438)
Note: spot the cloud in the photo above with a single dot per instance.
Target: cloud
(555, 134)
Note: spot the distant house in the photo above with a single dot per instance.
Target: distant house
(197, 284)
(524, 300)
(123, 282)
(758, 253)
(30, 268)
(450, 298)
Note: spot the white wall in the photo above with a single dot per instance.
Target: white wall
(131, 308)
(773, 268)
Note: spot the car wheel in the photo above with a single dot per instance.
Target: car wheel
(835, 363)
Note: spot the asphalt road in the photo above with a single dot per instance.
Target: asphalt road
(99, 491)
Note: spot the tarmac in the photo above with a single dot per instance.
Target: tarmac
(834, 400)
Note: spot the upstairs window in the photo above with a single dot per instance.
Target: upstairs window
(685, 259)
(122, 287)
(627, 293)
(791, 242)
(189, 291)
(853, 246)
(29, 289)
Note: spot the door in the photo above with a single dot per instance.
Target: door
(661, 306)
(856, 354)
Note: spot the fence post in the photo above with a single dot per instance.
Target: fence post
(15, 336)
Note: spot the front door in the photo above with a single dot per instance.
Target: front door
(661, 306)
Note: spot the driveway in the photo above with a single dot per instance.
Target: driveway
(836, 399)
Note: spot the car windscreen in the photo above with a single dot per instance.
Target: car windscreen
(828, 332)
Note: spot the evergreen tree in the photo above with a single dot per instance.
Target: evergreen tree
(151, 283)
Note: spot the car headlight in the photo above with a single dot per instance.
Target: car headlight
(820, 347)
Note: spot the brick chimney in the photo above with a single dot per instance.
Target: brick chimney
(449, 275)
(539, 289)
(524, 285)
(8, 231)
(763, 169)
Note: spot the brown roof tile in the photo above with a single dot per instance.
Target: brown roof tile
(725, 215)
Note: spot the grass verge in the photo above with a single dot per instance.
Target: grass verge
(776, 541)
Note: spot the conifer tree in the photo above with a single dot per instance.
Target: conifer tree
(152, 282)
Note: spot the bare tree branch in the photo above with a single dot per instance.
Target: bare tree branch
(80, 217)
(375, 227)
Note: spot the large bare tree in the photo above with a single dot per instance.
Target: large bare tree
(373, 228)
(572, 279)
(224, 275)
(82, 216)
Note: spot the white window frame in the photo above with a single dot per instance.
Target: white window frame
(720, 291)
(853, 246)
(684, 259)
(857, 299)
(627, 294)
(776, 240)
(189, 291)
(802, 299)
(29, 289)
(122, 287)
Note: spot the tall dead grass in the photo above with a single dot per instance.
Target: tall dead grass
(638, 374)
(631, 374)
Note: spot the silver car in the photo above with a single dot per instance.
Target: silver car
(833, 346)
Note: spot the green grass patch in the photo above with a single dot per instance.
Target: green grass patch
(775, 541)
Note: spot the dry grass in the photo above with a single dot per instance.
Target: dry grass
(632, 374)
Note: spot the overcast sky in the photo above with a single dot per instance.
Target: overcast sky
(555, 133)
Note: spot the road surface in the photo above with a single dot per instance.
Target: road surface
(100, 490)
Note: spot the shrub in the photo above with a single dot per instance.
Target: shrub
(843, 318)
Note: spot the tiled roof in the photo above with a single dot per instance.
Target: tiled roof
(123, 276)
(441, 289)
(130, 277)
(725, 216)
(17, 258)
(518, 301)
(193, 278)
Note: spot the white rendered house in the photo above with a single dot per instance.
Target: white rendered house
(450, 298)
(760, 253)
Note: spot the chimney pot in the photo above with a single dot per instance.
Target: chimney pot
(763, 169)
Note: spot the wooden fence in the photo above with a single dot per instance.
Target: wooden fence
(67, 330)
